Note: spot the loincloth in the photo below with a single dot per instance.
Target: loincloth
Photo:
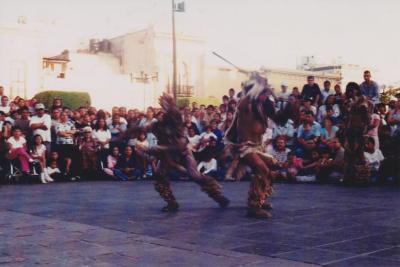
(250, 147)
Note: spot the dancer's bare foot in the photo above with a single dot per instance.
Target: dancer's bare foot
(267, 206)
(223, 201)
(258, 213)
(171, 207)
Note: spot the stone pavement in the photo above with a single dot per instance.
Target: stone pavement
(119, 224)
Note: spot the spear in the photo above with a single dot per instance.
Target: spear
(230, 63)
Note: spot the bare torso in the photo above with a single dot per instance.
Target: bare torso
(249, 127)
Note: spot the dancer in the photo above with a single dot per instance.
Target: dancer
(245, 136)
(173, 154)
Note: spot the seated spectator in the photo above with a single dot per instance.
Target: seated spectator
(280, 152)
(17, 149)
(331, 165)
(194, 140)
(307, 106)
(216, 131)
(88, 148)
(126, 167)
(334, 109)
(373, 158)
(293, 166)
(188, 123)
(328, 131)
(112, 161)
(224, 126)
(208, 167)
(205, 137)
(283, 127)
(53, 171)
(38, 152)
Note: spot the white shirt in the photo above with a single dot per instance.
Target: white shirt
(45, 134)
(102, 136)
(193, 141)
(208, 166)
(325, 95)
(39, 151)
(374, 159)
(16, 143)
(5, 109)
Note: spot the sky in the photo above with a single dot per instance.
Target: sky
(250, 33)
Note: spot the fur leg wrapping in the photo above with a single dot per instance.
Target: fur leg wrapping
(260, 189)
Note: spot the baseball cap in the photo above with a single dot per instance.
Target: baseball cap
(285, 84)
(87, 129)
(39, 106)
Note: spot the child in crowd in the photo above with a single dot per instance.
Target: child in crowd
(205, 137)
(52, 170)
(373, 158)
(112, 161)
(38, 152)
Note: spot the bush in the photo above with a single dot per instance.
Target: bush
(71, 100)
(187, 101)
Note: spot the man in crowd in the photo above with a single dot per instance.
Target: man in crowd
(370, 88)
(311, 90)
(41, 125)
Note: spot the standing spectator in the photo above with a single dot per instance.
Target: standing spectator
(373, 128)
(57, 103)
(370, 88)
(311, 91)
(326, 91)
(338, 95)
(126, 168)
(102, 136)
(88, 148)
(41, 125)
(232, 95)
(23, 122)
(5, 106)
(282, 96)
(394, 118)
(117, 130)
(65, 131)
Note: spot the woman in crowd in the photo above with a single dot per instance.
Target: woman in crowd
(112, 161)
(17, 150)
(65, 131)
(126, 167)
(102, 136)
(88, 148)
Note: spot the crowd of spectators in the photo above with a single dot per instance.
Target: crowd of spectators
(306, 136)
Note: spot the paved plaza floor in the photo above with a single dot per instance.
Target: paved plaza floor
(120, 224)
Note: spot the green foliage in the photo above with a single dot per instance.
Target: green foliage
(386, 95)
(70, 99)
(187, 101)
